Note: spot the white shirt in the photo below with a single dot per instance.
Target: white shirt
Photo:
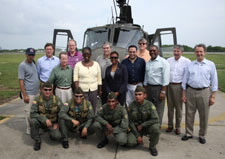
(177, 68)
(200, 75)
(157, 72)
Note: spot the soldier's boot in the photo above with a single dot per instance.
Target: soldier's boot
(65, 144)
(103, 143)
(37, 145)
(153, 151)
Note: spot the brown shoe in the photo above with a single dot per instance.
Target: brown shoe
(169, 129)
(177, 132)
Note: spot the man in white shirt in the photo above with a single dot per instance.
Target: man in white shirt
(157, 74)
(200, 84)
(174, 91)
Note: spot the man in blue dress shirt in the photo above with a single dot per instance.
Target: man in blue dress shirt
(157, 77)
(46, 63)
(200, 84)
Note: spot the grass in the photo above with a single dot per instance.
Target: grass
(9, 85)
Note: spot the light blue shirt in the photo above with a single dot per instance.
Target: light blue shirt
(45, 66)
(200, 75)
(157, 72)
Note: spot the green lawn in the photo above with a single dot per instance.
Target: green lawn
(9, 85)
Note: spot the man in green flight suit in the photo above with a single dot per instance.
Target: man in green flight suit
(111, 119)
(143, 120)
(44, 114)
(76, 115)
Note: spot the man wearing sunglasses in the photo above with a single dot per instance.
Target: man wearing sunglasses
(77, 115)
(144, 120)
(44, 114)
(29, 83)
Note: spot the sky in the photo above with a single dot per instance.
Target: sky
(30, 23)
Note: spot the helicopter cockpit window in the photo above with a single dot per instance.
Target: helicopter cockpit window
(96, 38)
(125, 37)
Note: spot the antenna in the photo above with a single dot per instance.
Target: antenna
(112, 15)
(115, 7)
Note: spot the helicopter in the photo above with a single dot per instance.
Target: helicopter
(121, 33)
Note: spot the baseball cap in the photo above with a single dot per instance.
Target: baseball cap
(30, 51)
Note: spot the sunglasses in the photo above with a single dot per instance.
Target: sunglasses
(47, 90)
(31, 55)
(114, 57)
(78, 96)
(142, 43)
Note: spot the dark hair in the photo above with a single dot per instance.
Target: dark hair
(132, 46)
(47, 84)
(154, 46)
(50, 44)
(201, 45)
(86, 48)
(78, 91)
(62, 53)
(114, 52)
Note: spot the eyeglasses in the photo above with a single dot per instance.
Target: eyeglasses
(152, 50)
(114, 57)
(142, 43)
(47, 90)
(138, 94)
(78, 96)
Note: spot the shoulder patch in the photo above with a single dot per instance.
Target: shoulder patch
(153, 107)
(126, 117)
(90, 107)
(66, 104)
(34, 102)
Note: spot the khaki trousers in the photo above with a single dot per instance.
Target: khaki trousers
(174, 102)
(197, 100)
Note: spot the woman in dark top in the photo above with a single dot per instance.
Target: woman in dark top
(116, 78)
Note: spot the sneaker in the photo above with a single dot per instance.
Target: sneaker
(28, 131)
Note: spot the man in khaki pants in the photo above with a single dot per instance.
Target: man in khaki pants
(174, 91)
(200, 84)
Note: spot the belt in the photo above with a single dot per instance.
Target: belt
(198, 89)
(64, 88)
(154, 85)
(173, 83)
(135, 83)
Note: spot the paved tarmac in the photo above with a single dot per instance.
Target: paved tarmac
(14, 143)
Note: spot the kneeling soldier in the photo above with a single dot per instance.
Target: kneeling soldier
(111, 119)
(44, 114)
(76, 115)
(143, 120)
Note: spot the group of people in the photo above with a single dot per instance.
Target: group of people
(133, 93)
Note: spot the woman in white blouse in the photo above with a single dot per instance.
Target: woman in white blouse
(87, 76)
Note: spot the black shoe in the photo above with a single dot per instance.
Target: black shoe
(65, 144)
(169, 129)
(202, 140)
(153, 151)
(37, 146)
(103, 143)
(185, 137)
